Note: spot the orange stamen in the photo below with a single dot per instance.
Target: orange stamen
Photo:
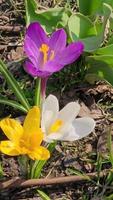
(44, 49)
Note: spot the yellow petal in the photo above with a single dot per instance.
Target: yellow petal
(40, 153)
(31, 126)
(8, 147)
(12, 129)
(36, 139)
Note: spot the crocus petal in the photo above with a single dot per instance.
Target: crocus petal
(50, 110)
(31, 49)
(68, 114)
(53, 136)
(40, 153)
(79, 128)
(8, 147)
(70, 53)
(12, 129)
(30, 68)
(65, 57)
(53, 66)
(34, 71)
(31, 126)
(37, 34)
(36, 139)
(57, 41)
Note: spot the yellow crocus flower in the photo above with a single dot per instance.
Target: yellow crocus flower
(26, 139)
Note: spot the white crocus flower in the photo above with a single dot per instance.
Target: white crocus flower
(62, 125)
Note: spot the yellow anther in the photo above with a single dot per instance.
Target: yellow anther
(56, 126)
(44, 49)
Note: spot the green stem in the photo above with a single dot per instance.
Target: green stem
(39, 164)
(37, 92)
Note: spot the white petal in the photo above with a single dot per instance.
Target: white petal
(68, 114)
(79, 128)
(69, 134)
(51, 103)
(50, 110)
(53, 136)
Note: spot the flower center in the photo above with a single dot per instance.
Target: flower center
(55, 126)
(45, 50)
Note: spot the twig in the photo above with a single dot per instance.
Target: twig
(18, 182)
(11, 28)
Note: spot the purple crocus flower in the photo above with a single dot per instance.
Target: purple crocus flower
(47, 55)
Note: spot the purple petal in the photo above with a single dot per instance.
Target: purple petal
(31, 49)
(70, 53)
(43, 74)
(52, 66)
(37, 34)
(57, 41)
(34, 71)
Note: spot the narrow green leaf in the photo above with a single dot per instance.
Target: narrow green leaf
(39, 164)
(43, 195)
(13, 104)
(110, 147)
(79, 173)
(14, 85)
(1, 170)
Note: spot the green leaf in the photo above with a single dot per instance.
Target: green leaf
(39, 164)
(81, 26)
(102, 66)
(110, 197)
(91, 7)
(23, 161)
(107, 50)
(14, 85)
(30, 6)
(92, 43)
(110, 40)
(49, 19)
(86, 31)
(13, 104)
(79, 173)
(43, 195)
(1, 170)
(110, 145)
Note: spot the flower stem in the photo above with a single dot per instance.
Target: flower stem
(37, 92)
(39, 164)
(43, 87)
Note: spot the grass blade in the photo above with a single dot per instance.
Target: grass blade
(13, 104)
(14, 85)
(43, 195)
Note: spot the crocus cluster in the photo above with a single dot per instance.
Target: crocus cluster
(45, 55)
(55, 125)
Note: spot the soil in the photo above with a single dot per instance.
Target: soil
(96, 101)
